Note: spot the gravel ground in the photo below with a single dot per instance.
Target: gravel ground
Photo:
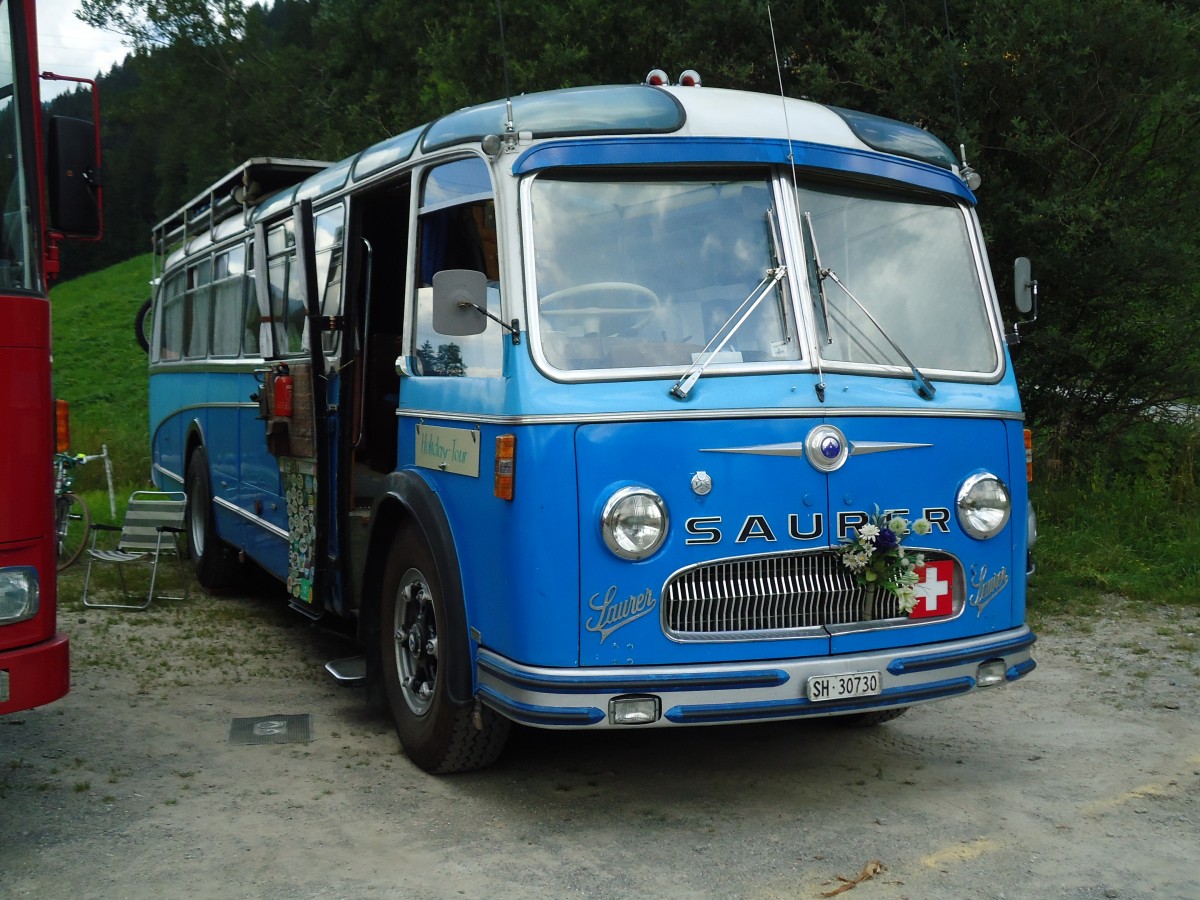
(1082, 781)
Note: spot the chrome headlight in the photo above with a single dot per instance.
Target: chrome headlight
(634, 522)
(18, 593)
(983, 505)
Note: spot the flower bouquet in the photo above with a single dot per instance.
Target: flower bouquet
(877, 559)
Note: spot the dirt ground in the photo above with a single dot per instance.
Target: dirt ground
(1082, 781)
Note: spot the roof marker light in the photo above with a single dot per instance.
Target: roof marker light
(689, 78)
(658, 78)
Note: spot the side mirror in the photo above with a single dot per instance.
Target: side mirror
(1025, 290)
(1024, 285)
(74, 178)
(460, 302)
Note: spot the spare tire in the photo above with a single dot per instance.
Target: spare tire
(142, 323)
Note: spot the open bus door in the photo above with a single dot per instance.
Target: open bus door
(297, 397)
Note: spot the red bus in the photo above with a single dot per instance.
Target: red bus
(49, 183)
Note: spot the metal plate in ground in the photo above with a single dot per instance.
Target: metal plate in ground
(291, 729)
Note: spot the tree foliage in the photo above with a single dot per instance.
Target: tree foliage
(1082, 118)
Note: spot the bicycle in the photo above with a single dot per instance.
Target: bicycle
(72, 517)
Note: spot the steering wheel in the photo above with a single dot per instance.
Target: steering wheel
(601, 307)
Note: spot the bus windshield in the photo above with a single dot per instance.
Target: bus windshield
(641, 272)
(910, 263)
(15, 246)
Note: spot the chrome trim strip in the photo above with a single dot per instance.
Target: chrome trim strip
(167, 473)
(616, 680)
(795, 708)
(251, 518)
(704, 415)
(241, 364)
(797, 448)
(860, 448)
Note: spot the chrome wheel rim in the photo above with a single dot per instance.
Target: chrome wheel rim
(415, 641)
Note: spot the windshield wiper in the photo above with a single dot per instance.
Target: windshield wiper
(925, 390)
(727, 330)
(817, 278)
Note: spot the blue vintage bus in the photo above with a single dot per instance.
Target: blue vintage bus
(622, 406)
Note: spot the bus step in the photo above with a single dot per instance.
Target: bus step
(352, 670)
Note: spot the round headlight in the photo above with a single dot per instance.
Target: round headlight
(983, 505)
(18, 593)
(634, 522)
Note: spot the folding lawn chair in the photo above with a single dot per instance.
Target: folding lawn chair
(153, 524)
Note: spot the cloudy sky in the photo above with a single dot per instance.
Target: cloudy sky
(66, 46)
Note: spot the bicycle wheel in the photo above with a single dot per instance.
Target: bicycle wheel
(73, 521)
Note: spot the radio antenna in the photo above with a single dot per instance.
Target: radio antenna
(503, 51)
(510, 129)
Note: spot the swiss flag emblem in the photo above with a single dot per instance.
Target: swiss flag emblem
(935, 590)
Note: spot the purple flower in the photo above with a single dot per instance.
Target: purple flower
(886, 540)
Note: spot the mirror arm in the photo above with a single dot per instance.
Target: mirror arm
(514, 328)
(1014, 337)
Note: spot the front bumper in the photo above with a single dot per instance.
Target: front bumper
(34, 676)
(745, 692)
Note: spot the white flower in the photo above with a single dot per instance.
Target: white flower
(898, 526)
(868, 532)
(922, 526)
(906, 597)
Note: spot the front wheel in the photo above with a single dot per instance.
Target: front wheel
(73, 519)
(416, 656)
(216, 566)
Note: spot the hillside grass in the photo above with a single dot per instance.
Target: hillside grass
(1122, 530)
(100, 370)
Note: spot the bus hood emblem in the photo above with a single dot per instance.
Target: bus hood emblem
(826, 448)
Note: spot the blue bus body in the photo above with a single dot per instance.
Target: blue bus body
(575, 405)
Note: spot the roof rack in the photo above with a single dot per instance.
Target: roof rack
(239, 191)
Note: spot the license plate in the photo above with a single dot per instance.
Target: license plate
(839, 687)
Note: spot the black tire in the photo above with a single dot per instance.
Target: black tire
(142, 324)
(73, 521)
(437, 735)
(215, 563)
(870, 719)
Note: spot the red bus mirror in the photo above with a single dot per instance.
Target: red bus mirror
(73, 178)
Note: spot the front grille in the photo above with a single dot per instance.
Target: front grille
(768, 594)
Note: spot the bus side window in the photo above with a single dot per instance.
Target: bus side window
(287, 315)
(170, 345)
(228, 299)
(251, 317)
(199, 306)
(458, 235)
(329, 227)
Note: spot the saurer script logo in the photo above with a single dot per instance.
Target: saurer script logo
(611, 615)
(714, 529)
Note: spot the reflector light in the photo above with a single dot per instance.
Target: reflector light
(1028, 455)
(658, 78)
(689, 78)
(62, 425)
(506, 466)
